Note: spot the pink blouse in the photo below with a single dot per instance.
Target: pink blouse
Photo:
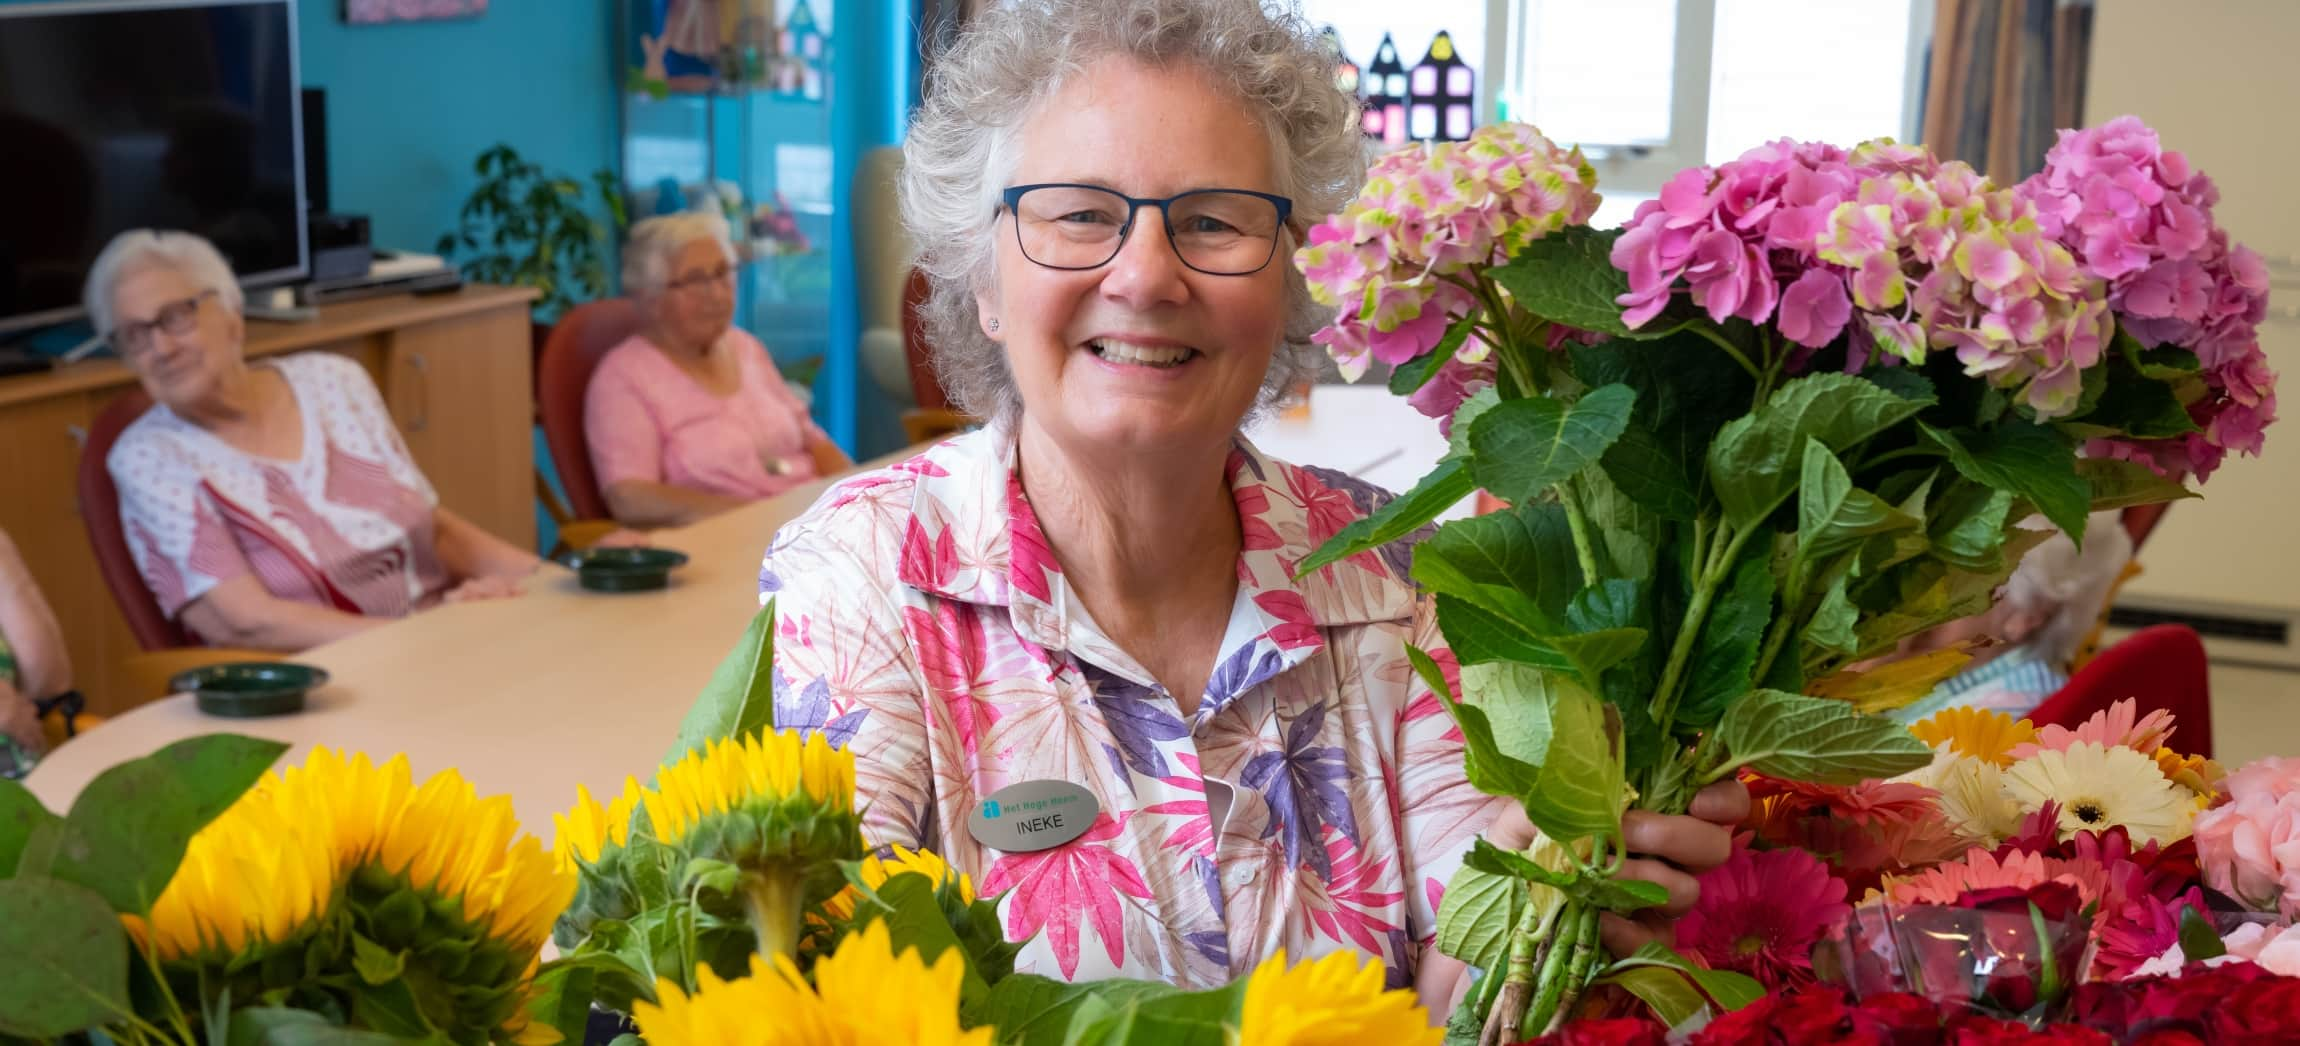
(647, 420)
(1313, 800)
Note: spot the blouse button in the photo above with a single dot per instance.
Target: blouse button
(1243, 874)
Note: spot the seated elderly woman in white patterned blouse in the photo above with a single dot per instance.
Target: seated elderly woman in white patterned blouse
(270, 505)
(1097, 593)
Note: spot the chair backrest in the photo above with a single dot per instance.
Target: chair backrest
(923, 382)
(100, 513)
(2161, 666)
(583, 335)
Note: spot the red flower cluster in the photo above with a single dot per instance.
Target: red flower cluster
(2235, 1003)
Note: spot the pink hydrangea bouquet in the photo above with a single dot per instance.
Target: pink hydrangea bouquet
(1794, 413)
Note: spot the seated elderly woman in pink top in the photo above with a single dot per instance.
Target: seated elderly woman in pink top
(269, 505)
(689, 418)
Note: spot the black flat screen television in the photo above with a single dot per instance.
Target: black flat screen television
(125, 114)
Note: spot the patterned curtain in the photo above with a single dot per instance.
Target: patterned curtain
(2005, 74)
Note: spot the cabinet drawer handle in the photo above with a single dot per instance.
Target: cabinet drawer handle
(422, 386)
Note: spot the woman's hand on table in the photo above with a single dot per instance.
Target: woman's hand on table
(622, 539)
(1666, 850)
(484, 587)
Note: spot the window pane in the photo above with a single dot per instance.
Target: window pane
(1597, 72)
(1814, 70)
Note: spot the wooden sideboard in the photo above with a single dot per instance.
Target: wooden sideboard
(454, 369)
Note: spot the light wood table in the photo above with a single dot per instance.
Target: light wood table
(528, 696)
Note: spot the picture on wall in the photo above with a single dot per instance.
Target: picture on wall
(382, 12)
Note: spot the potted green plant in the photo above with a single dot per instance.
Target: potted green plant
(532, 227)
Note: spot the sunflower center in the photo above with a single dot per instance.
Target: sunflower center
(2089, 811)
(1748, 944)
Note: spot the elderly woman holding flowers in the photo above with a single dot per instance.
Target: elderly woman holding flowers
(1102, 587)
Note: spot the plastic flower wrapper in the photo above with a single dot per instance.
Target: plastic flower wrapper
(2012, 952)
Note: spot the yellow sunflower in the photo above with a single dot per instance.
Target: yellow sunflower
(430, 872)
(2101, 786)
(876, 870)
(1980, 733)
(774, 807)
(1334, 1000)
(590, 828)
(864, 995)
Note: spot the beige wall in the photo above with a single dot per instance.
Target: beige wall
(2220, 80)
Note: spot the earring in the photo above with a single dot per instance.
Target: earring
(994, 325)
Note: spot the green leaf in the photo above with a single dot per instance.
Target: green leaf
(375, 963)
(1493, 860)
(1967, 528)
(1686, 390)
(127, 831)
(1627, 895)
(1528, 547)
(2139, 407)
(1029, 1010)
(279, 1026)
(1490, 769)
(2029, 461)
(1831, 627)
(1630, 537)
(2198, 940)
(1568, 277)
(1726, 653)
(2119, 484)
(1755, 461)
(917, 921)
(1515, 700)
(1465, 418)
(1579, 790)
(1476, 915)
(1442, 489)
(66, 959)
(1645, 469)
(2164, 363)
(1523, 447)
(564, 989)
(1799, 738)
(1668, 993)
(1408, 377)
(20, 814)
(739, 701)
(1833, 514)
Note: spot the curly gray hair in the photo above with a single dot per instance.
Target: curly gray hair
(961, 148)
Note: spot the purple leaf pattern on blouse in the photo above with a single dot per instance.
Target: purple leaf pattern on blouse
(1307, 787)
(807, 709)
(1139, 719)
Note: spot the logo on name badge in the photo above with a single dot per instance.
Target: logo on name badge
(1033, 815)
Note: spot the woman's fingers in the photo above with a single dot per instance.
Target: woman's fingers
(1691, 843)
(1725, 802)
(1683, 889)
(1623, 935)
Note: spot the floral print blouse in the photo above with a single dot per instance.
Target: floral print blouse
(1314, 801)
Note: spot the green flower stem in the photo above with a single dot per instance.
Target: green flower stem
(1531, 942)
(774, 902)
(1730, 349)
(1725, 551)
(1584, 550)
(1579, 966)
(1558, 968)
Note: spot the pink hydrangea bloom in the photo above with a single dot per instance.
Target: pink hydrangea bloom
(1470, 369)
(1387, 262)
(2138, 216)
(1729, 232)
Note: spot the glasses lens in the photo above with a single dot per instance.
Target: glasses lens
(1070, 228)
(180, 318)
(1224, 233)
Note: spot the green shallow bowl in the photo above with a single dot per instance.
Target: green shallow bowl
(243, 689)
(623, 569)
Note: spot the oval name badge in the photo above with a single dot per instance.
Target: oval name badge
(1032, 816)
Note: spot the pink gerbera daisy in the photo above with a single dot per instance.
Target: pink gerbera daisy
(1980, 869)
(2117, 725)
(1761, 912)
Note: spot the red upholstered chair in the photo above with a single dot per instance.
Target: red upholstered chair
(2161, 666)
(100, 513)
(934, 417)
(578, 341)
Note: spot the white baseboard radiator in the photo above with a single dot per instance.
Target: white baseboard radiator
(2234, 633)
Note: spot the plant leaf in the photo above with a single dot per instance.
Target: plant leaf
(1525, 446)
(1833, 514)
(1725, 656)
(1476, 915)
(2123, 484)
(279, 1026)
(1967, 529)
(1626, 895)
(2029, 461)
(1528, 547)
(20, 814)
(1898, 684)
(1568, 277)
(1443, 488)
(1756, 459)
(739, 701)
(127, 831)
(1465, 418)
(1831, 627)
(2198, 940)
(1799, 738)
(1408, 377)
(1668, 993)
(66, 959)
(1486, 857)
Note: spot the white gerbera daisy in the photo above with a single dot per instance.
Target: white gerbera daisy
(2099, 787)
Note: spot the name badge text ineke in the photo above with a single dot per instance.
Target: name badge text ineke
(1032, 816)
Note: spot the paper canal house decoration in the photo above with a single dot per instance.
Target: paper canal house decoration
(1385, 115)
(1443, 100)
(804, 52)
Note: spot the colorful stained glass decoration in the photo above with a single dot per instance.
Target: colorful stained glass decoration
(1347, 76)
(1386, 95)
(1442, 102)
